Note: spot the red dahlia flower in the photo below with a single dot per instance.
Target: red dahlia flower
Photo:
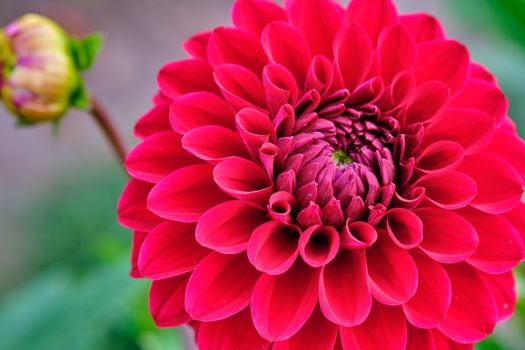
(321, 178)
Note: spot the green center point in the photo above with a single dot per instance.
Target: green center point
(341, 157)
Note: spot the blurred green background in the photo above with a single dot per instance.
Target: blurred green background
(63, 258)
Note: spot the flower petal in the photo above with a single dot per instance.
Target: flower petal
(344, 294)
(273, 247)
(496, 253)
(157, 156)
(423, 27)
(186, 194)
(384, 329)
(447, 236)
(166, 301)
(449, 190)
(243, 179)
(392, 272)
(286, 46)
(508, 146)
(429, 100)
(429, 305)
(255, 128)
(440, 156)
(228, 227)
(471, 316)
(503, 290)
(132, 210)
(398, 93)
(483, 96)
(281, 90)
(372, 15)
(197, 45)
(367, 92)
(451, 126)
(397, 53)
(220, 286)
(196, 109)
(478, 71)
(240, 86)
(357, 234)
(443, 343)
(138, 239)
(229, 45)
(234, 333)
(353, 68)
(320, 75)
(517, 218)
(319, 245)
(316, 334)
(254, 15)
(444, 60)
(181, 77)
(499, 187)
(318, 21)
(418, 339)
(404, 228)
(282, 304)
(154, 121)
(203, 143)
(161, 255)
(280, 207)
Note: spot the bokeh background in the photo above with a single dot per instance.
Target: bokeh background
(63, 257)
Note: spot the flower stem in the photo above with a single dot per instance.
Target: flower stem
(108, 128)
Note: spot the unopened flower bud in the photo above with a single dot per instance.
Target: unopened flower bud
(40, 77)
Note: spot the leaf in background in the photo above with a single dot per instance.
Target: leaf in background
(86, 50)
(506, 16)
(161, 341)
(78, 206)
(53, 311)
(57, 311)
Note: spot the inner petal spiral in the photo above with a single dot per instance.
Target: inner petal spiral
(341, 162)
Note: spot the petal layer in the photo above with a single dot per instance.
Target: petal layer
(216, 290)
(186, 194)
(384, 329)
(170, 250)
(392, 272)
(344, 294)
(273, 247)
(471, 316)
(499, 187)
(447, 236)
(317, 334)
(500, 248)
(158, 156)
(227, 227)
(430, 304)
(282, 304)
(234, 333)
(166, 301)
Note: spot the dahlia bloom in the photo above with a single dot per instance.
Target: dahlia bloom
(316, 177)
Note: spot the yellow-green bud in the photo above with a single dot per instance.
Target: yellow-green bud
(40, 72)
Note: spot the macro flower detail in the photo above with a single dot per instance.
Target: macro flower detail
(39, 68)
(315, 177)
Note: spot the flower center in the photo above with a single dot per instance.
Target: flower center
(341, 157)
(342, 161)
